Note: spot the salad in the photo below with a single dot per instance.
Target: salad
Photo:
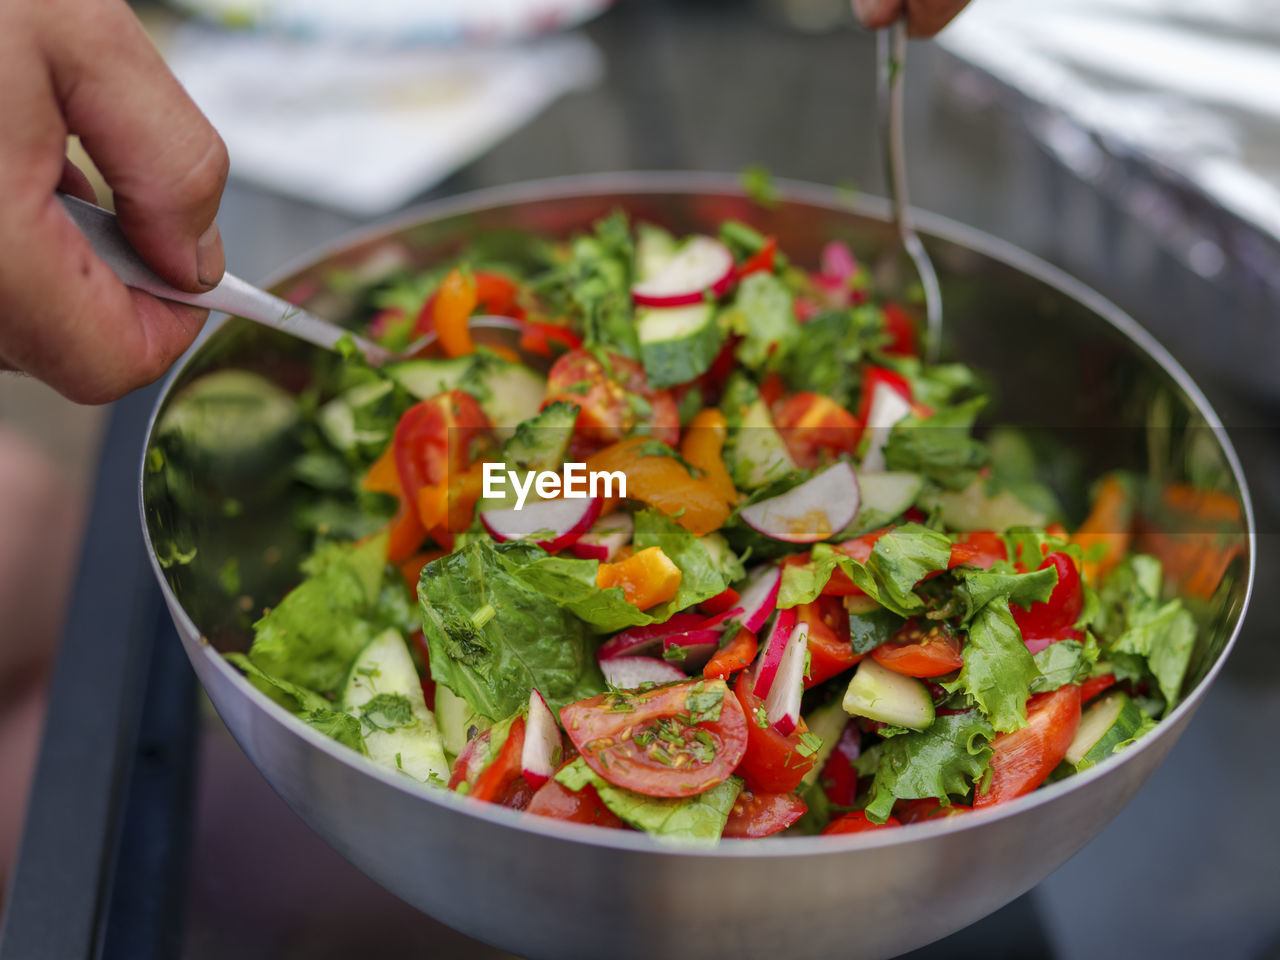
(710, 552)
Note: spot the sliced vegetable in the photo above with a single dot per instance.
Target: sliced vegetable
(736, 655)
(921, 649)
(815, 510)
(701, 267)
(756, 815)
(773, 763)
(886, 401)
(646, 578)
(857, 822)
(881, 694)
(774, 647)
(542, 745)
(606, 538)
(576, 806)
(1104, 729)
(551, 524)
(673, 741)
(759, 597)
(628, 673)
(782, 702)
(678, 344)
(1022, 759)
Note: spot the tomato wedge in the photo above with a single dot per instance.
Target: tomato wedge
(772, 763)
(816, 429)
(1051, 618)
(757, 815)
(733, 656)
(671, 741)
(580, 806)
(830, 651)
(901, 330)
(857, 822)
(1021, 759)
(612, 401)
(1095, 685)
(979, 549)
(920, 649)
(839, 779)
(489, 781)
(930, 808)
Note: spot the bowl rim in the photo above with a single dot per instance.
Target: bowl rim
(789, 191)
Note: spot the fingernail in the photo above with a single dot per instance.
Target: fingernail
(210, 261)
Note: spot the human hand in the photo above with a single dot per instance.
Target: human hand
(87, 67)
(924, 17)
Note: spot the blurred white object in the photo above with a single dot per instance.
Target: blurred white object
(365, 129)
(1193, 84)
(404, 21)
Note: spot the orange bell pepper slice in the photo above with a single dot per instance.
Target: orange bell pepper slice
(647, 578)
(455, 301)
(1110, 524)
(382, 476)
(665, 484)
(733, 656)
(702, 446)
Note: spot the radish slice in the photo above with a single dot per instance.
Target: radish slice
(556, 523)
(759, 598)
(782, 705)
(691, 650)
(771, 659)
(700, 266)
(817, 509)
(640, 641)
(542, 745)
(838, 261)
(605, 538)
(627, 673)
(888, 406)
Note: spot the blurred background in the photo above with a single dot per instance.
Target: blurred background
(1136, 143)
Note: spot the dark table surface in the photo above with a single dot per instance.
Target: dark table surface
(1188, 870)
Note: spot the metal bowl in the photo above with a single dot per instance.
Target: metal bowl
(1064, 360)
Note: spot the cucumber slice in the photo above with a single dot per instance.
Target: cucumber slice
(677, 344)
(655, 248)
(540, 442)
(426, 378)
(756, 454)
(884, 496)
(384, 692)
(881, 694)
(971, 509)
(456, 719)
(828, 723)
(1107, 724)
(339, 418)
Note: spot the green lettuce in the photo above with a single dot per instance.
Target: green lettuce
(940, 446)
(947, 758)
(998, 669)
(306, 704)
(868, 630)
(832, 344)
(494, 637)
(762, 315)
(311, 637)
(980, 587)
(900, 559)
(595, 283)
(698, 819)
(1064, 662)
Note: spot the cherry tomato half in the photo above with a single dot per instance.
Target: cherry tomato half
(613, 401)
(645, 741)
(1021, 759)
(830, 651)
(772, 763)
(489, 781)
(979, 549)
(816, 429)
(761, 814)
(839, 779)
(920, 649)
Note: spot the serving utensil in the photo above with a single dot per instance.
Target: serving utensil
(891, 59)
(242, 299)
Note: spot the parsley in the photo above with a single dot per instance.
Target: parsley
(387, 711)
(810, 743)
(757, 181)
(704, 704)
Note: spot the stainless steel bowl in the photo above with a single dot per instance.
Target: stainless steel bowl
(1064, 359)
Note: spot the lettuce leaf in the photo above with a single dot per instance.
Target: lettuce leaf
(899, 560)
(832, 344)
(998, 669)
(762, 315)
(940, 446)
(980, 587)
(705, 571)
(306, 704)
(493, 637)
(1064, 662)
(311, 637)
(597, 279)
(947, 758)
(696, 819)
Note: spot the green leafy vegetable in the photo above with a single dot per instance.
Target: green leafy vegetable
(762, 315)
(597, 278)
(306, 704)
(1064, 662)
(832, 343)
(948, 758)
(939, 446)
(311, 637)
(697, 819)
(998, 668)
(493, 661)
(868, 630)
(980, 587)
(899, 560)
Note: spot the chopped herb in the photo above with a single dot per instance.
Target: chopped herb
(387, 711)
(810, 743)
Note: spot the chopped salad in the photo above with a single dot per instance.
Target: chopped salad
(712, 553)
